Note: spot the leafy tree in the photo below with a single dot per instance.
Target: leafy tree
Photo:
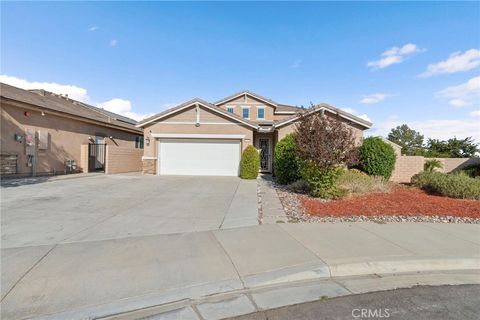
(410, 140)
(377, 158)
(452, 148)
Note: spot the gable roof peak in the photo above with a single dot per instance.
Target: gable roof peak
(246, 92)
(191, 103)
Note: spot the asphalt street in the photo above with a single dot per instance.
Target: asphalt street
(419, 303)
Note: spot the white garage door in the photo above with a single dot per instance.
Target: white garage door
(199, 157)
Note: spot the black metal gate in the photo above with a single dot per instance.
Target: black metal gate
(96, 157)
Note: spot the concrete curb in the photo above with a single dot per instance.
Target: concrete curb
(288, 280)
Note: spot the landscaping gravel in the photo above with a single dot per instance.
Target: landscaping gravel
(296, 206)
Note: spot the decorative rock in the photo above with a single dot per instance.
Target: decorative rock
(295, 212)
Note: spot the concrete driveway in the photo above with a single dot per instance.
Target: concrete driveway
(117, 206)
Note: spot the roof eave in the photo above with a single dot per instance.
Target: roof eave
(190, 103)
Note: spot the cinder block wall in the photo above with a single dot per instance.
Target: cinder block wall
(121, 160)
(408, 166)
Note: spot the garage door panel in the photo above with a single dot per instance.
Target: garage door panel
(199, 157)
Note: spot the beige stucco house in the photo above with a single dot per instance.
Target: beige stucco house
(46, 133)
(202, 138)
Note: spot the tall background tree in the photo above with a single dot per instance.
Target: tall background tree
(452, 148)
(410, 140)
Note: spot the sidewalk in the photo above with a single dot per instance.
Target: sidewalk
(102, 278)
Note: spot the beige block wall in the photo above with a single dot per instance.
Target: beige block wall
(65, 138)
(121, 160)
(408, 166)
(451, 164)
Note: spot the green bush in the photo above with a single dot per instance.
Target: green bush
(377, 158)
(250, 163)
(322, 181)
(358, 182)
(472, 170)
(285, 160)
(432, 164)
(457, 185)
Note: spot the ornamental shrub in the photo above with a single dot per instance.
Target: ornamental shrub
(377, 158)
(457, 185)
(250, 163)
(285, 160)
(472, 170)
(432, 164)
(358, 182)
(322, 181)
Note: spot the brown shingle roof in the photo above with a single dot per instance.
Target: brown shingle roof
(50, 101)
(284, 107)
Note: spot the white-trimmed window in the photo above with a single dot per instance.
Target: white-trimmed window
(246, 112)
(261, 113)
(231, 109)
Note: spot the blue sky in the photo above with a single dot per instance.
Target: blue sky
(416, 63)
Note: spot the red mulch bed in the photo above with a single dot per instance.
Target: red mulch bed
(401, 200)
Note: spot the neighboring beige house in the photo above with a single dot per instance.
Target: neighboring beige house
(45, 133)
(202, 138)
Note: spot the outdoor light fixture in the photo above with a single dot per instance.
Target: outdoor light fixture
(147, 140)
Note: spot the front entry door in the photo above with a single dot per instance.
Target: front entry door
(265, 146)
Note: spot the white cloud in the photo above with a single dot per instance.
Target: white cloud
(456, 62)
(436, 129)
(122, 107)
(113, 43)
(475, 114)
(394, 55)
(297, 63)
(73, 91)
(92, 29)
(465, 94)
(116, 105)
(373, 98)
(354, 112)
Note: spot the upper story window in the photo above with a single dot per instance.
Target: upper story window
(261, 113)
(230, 109)
(139, 142)
(246, 112)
